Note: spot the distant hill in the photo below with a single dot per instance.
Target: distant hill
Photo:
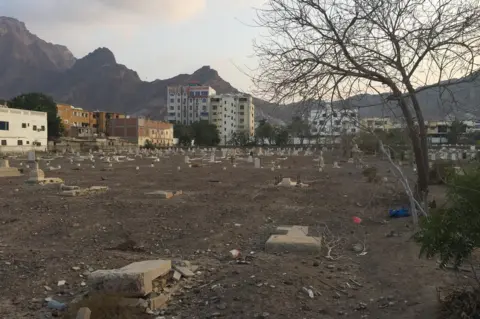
(97, 81)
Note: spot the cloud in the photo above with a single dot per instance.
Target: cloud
(102, 12)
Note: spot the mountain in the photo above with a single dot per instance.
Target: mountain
(98, 82)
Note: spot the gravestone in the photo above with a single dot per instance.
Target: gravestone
(31, 156)
(6, 170)
(250, 159)
(257, 163)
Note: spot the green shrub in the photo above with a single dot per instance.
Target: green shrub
(452, 232)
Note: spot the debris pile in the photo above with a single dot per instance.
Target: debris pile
(148, 284)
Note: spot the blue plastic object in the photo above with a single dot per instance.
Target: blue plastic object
(399, 213)
(53, 304)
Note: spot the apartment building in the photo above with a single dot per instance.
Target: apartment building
(139, 130)
(188, 104)
(22, 130)
(74, 116)
(232, 113)
(328, 121)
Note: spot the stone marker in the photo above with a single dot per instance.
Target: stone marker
(31, 156)
(6, 170)
(257, 163)
(293, 239)
(132, 280)
(83, 313)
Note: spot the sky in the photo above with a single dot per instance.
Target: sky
(157, 38)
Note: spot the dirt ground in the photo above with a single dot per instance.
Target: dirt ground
(44, 235)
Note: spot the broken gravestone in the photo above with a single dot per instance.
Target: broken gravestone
(134, 280)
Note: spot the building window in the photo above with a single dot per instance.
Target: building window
(4, 142)
(172, 100)
(4, 126)
(24, 125)
(19, 142)
(28, 142)
(43, 127)
(34, 127)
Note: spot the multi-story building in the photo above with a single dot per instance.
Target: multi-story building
(77, 117)
(378, 124)
(188, 104)
(139, 130)
(22, 130)
(232, 113)
(328, 121)
(72, 116)
(102, 120)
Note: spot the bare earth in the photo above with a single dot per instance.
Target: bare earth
(44, 235)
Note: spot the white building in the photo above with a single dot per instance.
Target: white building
(22, 130)
(232, 113)
(328, 122)
(188, 104)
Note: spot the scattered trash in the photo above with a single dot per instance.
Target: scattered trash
(309, 292)
(356, 220)
(61, 283)
(56, 305)
(399, 213)
(235, 253)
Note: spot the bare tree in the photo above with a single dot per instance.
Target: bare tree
(332, 49)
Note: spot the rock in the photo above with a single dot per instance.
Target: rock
(184, 271)
(177, 275)
(158, 302)
(83, 313)
(358, 248)
(222, 306)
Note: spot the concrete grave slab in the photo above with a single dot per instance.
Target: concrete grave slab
(76, 191)
(7, 171)
(132, 280)
(293, 239)
(165, 194)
